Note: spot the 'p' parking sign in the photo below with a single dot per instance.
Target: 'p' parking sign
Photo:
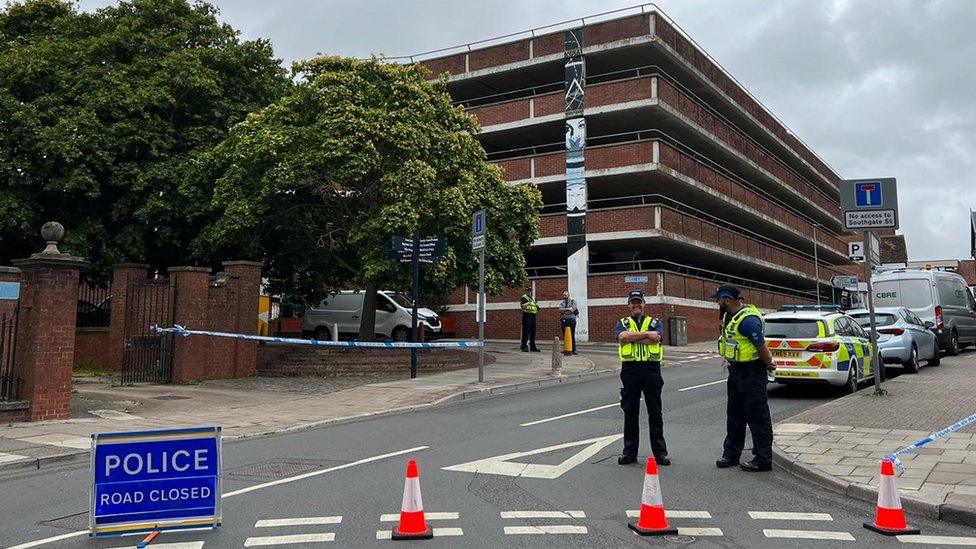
(155, 480)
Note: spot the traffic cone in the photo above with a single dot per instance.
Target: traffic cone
(889, 519)
(652, 521)
(412, 524)
(567, 341)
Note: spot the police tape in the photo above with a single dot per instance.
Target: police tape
(184, 332)
(893, 457)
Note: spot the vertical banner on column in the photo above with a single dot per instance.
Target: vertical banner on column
(575, 77)
(577, 254)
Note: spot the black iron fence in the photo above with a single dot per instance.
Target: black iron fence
(9, 382)
(94, 307)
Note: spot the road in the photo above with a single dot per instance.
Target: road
(351, 474)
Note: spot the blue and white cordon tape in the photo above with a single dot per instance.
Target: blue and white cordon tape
(893, 457)
(181, 331)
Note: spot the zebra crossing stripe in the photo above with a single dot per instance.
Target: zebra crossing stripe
(700, 532)
(542, 514)
(393, 517)
(305, 521)
(808, 534)
(670, 513)
(776, 515)
(547, 529)
(288, 539)
(938, 540)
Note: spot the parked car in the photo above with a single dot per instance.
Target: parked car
(939, 297)
(393, 316)
(903, 337)
(818, 346)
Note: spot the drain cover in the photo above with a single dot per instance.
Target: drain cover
(680, 539)
(171, 397)
(276, 468)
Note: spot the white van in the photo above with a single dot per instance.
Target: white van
(939, 297)
(394, 311)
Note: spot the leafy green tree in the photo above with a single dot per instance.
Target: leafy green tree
(361, 151)
(102, 113)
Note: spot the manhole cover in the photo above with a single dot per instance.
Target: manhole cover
(171, 397)
(77, 521)
(275, 468)
(680, 539)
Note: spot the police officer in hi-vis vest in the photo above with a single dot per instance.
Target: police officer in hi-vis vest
(742, 343)
(640, 351)
(530, 308)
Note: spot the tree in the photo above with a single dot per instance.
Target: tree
(358, 152)
(101, 114)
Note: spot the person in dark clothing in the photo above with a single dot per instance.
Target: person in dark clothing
(569, 312)
(530, 309)
(641, 353)
(742, 343)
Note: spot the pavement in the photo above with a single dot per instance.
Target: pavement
(262, 406)
(838, 445)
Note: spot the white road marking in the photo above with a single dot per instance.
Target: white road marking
(775, 515)
(291, 538)
(322, 471)
(180, 545)
(808, 534)
(438, 533)
(305, 521)
(394, 517)
(938, 540)
(670, 513)
(702, 385)
(503, 464)
(549, 529)
(50, 540)
(7, 458)
(581, 412)
(700, 532)
(542, 514)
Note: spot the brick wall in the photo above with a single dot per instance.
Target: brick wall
(967, 268)
(93, 347)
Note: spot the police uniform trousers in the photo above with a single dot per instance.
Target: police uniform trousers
(748, 405)
(642, 378)
(528, 330)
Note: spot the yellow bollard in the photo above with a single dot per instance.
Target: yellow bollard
(567, 341)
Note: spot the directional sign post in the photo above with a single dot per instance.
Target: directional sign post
(478, 245)
(155, 480)
(843, 281)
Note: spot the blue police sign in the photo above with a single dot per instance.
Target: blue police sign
(478, 223)
(155, 480)
(867, 194)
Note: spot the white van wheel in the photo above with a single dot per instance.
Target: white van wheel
(401, 334)
(322, 333)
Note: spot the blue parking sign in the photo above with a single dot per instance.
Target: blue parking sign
(868, 194)
(155, 480)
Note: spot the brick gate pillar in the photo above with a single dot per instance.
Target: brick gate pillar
(122, 275)
(246, 275)
(190, 289)
(46, 327)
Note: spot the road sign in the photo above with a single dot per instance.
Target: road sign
(478, 223)
(635, 279)
(9, 290)
(855, 251)
(869, 203)
(506, 465)
(478, 243)
(843, 281)
(155, 480)
(431, 248)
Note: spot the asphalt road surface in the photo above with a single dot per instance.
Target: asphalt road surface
(331, 486)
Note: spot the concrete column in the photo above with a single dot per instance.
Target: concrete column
(122, 275)
(247, 278)
(190, 286)
(46, 331)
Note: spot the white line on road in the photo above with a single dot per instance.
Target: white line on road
(670, 513)
(291, 538)
(701, 532)
(179, 545)
(570, 415)
(549, 529)
(438, 533)
(322, 471)
(542, 514)
(305, 521)
(393, 517)
(50, 540)
(938, 540)
(808, 534)
(775, 515)
(702, 385)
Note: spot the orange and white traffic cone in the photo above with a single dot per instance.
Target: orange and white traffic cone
(889, 519)
(412, 524)
(652, 521)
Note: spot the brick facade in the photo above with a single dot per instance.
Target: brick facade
(93, 347)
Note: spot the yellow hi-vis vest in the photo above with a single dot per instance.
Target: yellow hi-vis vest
(642, 351)
(532, 307)
(734, 346)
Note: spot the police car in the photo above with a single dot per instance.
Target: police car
(818, 345)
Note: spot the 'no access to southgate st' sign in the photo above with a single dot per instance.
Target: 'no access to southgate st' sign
(869, 203)
(155, 480)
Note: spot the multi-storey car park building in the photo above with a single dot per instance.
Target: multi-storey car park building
(659, 172)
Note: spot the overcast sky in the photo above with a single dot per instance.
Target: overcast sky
(876, 88)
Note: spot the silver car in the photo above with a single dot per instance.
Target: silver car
(903, 338)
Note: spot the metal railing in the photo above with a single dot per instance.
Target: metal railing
(94, 307)
(10, 384)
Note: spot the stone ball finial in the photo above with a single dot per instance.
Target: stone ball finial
(52, 232)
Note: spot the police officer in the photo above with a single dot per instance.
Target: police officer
(742, 343)
(530, 308)
(640, 351)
